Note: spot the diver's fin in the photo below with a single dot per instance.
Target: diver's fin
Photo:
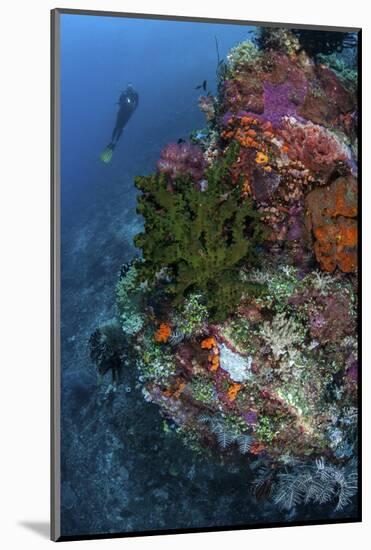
(107, 154)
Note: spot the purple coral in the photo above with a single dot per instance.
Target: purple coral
(295, 223)
(283, 100)
(182, 159)
(251, 417)
(352, 370)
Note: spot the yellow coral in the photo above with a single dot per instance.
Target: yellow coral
(233, 391)
(180, 389)
(214, 363)
(261, 158)
(246, 187)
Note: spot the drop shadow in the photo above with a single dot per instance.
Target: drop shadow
(41, 528)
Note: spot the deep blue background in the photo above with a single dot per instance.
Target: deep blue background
(120, 472)
(164, 60)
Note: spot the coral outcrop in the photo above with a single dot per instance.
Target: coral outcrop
(244, 301)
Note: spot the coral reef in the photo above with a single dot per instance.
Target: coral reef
(242, 309)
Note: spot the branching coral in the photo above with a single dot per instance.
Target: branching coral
(282, 335)
(154, 364)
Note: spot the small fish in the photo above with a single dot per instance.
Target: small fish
(180, 140)
(203, 86)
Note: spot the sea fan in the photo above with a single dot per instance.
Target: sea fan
(205, 418)
(176, 338)
(317, 483)
(261, 487)
(347, 489)
(224, 438)
(288, 492)
(244, 442)
(343, 482)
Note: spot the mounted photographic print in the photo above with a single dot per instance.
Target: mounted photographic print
(205, 184)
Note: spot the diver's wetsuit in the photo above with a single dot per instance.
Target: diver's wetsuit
(128, 103)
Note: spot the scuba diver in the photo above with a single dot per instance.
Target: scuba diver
(127, 102)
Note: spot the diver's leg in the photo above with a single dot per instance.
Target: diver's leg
(114, 133)
(119, 133)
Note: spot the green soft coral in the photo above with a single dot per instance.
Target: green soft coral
(202, 237)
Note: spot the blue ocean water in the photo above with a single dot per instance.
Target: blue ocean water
(120, 471)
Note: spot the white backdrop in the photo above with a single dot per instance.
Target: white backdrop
(24, 273)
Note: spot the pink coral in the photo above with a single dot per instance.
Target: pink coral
(313, 145)
(182, 159)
